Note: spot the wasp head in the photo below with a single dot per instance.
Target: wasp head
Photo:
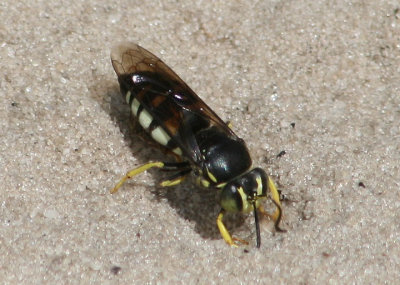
(244, 192)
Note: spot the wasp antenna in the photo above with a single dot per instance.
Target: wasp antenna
(256, 221)
(279, 217)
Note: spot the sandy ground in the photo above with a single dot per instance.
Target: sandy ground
(317, 79)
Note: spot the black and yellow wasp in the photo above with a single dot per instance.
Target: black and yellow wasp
(176, 118)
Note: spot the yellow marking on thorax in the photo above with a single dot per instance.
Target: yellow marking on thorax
(221, 185)
(211, 176)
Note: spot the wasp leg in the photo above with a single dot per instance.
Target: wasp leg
(136, 171)
(166, 166)
(275, 196)
(176, 178)
(271, 216)
(176, 166)
(224, 232)
(277, 216)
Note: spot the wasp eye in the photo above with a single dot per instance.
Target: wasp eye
(230, 198)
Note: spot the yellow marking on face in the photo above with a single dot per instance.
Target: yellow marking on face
(247, 207)
(259, 186)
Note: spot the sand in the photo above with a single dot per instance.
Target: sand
(316, 79)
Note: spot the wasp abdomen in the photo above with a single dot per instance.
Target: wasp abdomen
(139, 96)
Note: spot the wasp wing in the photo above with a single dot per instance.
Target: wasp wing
(170, 100)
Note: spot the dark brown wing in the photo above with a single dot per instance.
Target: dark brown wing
(130, 58)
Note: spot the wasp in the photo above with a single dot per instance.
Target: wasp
(178, 120)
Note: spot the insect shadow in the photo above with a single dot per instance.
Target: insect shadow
(192, 202)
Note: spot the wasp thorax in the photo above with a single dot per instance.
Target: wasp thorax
(224, 157)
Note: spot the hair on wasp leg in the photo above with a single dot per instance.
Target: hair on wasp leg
(179, 121)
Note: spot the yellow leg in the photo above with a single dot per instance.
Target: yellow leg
(275, 198)
(224, 232)
(277, 215)
(136, 171)
(167, 183)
